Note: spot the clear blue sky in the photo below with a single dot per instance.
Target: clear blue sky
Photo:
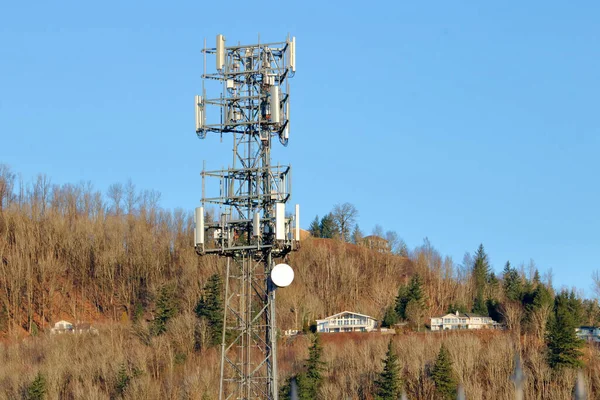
(466, 122)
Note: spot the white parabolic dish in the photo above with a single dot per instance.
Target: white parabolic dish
(282, 275)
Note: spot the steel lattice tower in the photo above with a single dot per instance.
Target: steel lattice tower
(252, 229)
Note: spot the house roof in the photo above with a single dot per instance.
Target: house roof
(462, 315)
(375, 237)
(348, 312)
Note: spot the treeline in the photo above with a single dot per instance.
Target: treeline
(340, 223)
(69, 251)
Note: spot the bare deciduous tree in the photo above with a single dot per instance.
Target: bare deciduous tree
(115, 194)
(344, 216)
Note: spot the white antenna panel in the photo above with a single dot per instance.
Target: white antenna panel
(286, 132)
(220, 52)
(280, 221)
(275, 109)
(199, 114)
(297, 228)
(256, 224)
(293, 54)
(199, 229)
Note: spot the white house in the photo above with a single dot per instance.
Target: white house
(62, 327)
(461, 321)
(346, 321)
(588, 333)
(67, 327)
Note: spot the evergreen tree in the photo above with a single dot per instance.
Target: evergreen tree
(315, 227)
(563, 344)
(443, 376)
(481, 267)
(210, 307)
(311, 380)
(513, 286)
(123, 380)
(481, 272)
(166, 308)
(536, 278)
(37, 389)
(357, 235)
(401, 301)
(412, 291)
(479, 305)
(389, 384)
(328, 228)
(389, 318)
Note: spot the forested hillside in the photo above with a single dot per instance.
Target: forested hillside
(128, 266)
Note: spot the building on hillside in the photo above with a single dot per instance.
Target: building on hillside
(588, 333)
(460, 320)
(376, 243)
(67, 327)
(62, 327)
(346, 321)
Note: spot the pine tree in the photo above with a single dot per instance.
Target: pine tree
(536, 278)
(328, 228)
(389, 318)
(37, 389)
(166, 308)
(357, 235)
(413, 291)
(310, 381)
(315, 227)
(210, 307)
(443, 376)
(513, 286)
(402, 300)
(123, 380)
(481, 272)
(389, 384)
(564, 347)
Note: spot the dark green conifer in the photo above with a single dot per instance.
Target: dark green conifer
(328, 227)
(310, 381)
(481, 275)
(166, 308)
(389, 383)
(413, 291)
(443, 376)
(37, 389)
(315, 227)
(210, 307)
(389, 318)
(564, 347)
(513, 285)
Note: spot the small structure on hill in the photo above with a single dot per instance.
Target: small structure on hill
(346, 321)
(588, 333)
(62, 327)
(67, 327)
(376, 243)
(460, 320)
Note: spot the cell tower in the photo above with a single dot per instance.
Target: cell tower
(252, 229)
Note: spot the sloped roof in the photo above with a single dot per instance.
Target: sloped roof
(462, 315)
(348, 312)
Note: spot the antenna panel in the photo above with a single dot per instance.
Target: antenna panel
(199, 113)
(220, 52)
